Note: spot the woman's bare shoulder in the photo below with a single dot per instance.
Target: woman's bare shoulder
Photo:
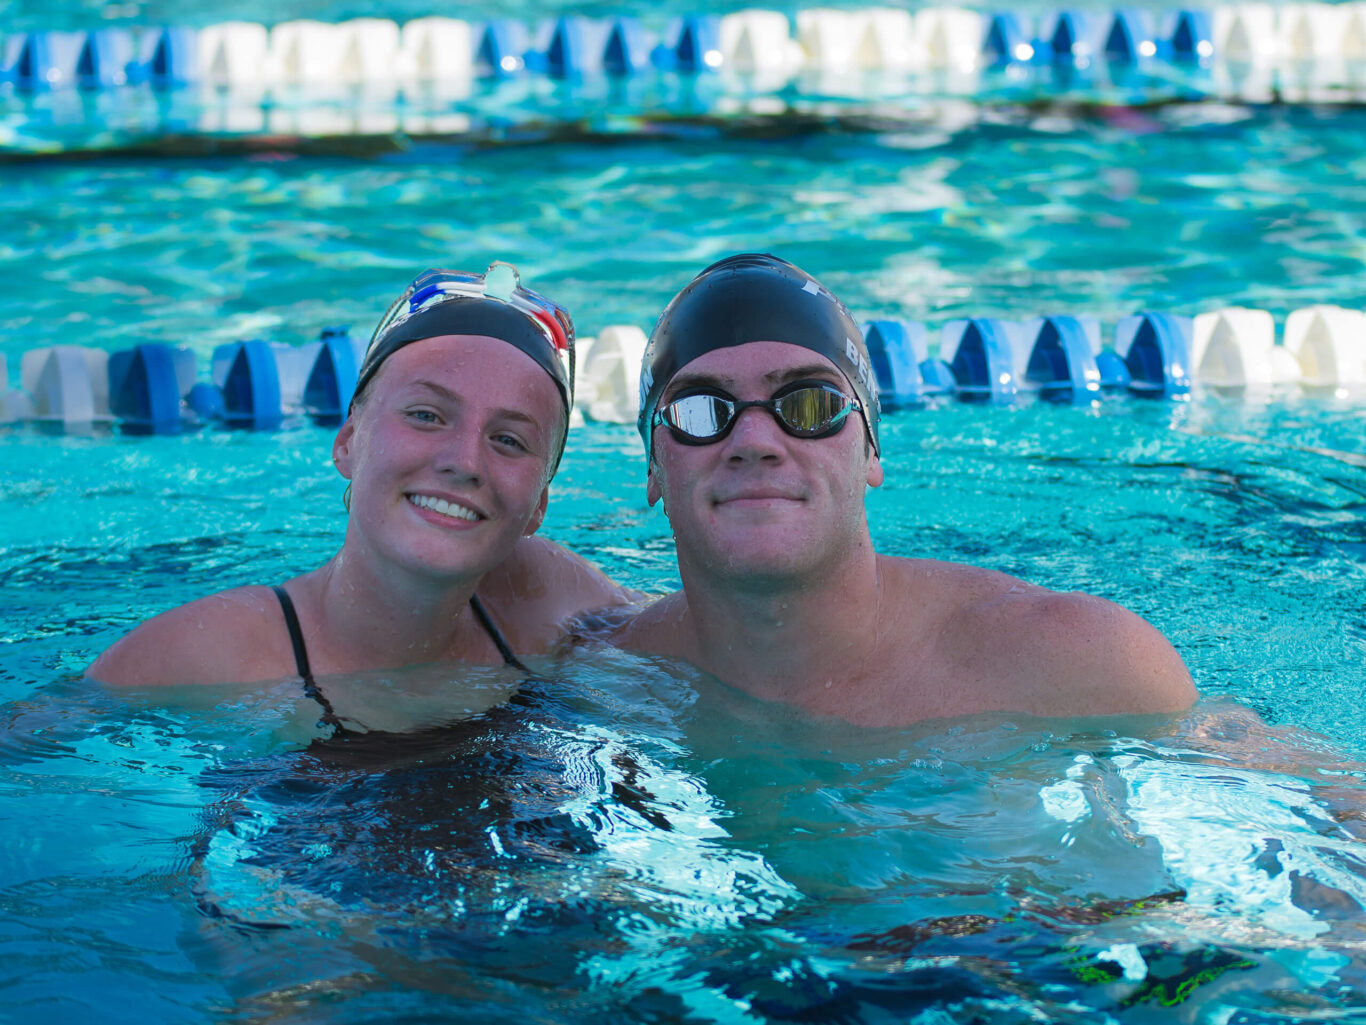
(234, 636)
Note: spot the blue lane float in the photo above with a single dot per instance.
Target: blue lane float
(906, 375)
(1114, 374)
(1062, 358)
(580, 47)
(146, 388)
(249, 379)
(627, 49)
(502, 48)
(693, 45)
(1072, 37)
(172, 58)
(331, 378)
(39, 61)
(981, 353)
(158, 389)
(108, 59)
(1133, 37)
(1155, 348)
(1191, 35)
(576, 48)
(1007, 40)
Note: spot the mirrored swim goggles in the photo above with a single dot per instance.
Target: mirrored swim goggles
(493, 303)
(803, 409)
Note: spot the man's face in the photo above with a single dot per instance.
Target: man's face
(761, 505)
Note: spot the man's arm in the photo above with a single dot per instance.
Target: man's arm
(543, 588)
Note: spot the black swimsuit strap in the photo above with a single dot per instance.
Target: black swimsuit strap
(495, 635)
(311, 689)
(296, 638)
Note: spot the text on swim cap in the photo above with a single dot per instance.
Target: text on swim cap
(647, 381)
(862, 370)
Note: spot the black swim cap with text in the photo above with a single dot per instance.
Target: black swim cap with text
(754, 297)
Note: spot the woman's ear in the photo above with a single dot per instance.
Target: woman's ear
(341, 447)
(537, 515)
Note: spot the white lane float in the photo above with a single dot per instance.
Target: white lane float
(68, 385)
(759, 43)
(608, 386)
(436, 50)
(1236, 348)
(1330, 344)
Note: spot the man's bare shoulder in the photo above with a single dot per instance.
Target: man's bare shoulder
(1056, 653)
(542, 587)
(235, 636)
(937, 584)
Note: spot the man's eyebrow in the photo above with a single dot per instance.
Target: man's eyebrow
(817, 370)
(685, 380)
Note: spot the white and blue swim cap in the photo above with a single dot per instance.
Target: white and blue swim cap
(754, 297)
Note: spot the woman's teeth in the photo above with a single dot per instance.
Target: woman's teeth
(444, 508)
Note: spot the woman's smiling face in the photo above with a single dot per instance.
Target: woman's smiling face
(449, 455)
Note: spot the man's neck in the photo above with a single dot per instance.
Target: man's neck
(790, 639)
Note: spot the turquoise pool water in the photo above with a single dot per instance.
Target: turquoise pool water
(626, 841)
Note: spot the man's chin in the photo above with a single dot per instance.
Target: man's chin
(766, 567)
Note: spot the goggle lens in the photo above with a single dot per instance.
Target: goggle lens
(801, 410)
(811, 411)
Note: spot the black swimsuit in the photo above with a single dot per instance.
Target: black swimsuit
(296, 638)
(379, 821)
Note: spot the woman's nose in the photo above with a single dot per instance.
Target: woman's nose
(461, 455)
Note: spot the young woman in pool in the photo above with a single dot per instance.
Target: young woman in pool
(457, 425)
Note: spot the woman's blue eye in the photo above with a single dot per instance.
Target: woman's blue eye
(510, 440)
(425, 416)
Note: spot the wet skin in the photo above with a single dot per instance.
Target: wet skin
(448, 456)
(760, 504)
(784, 597)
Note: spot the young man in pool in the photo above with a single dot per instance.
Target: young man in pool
(760, 420)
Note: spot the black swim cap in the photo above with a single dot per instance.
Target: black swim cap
(445, 302)
(754, 297)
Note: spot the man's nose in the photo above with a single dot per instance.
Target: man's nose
(755, 435)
